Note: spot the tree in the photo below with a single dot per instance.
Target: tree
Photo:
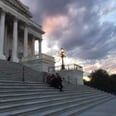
(100, 80)
(113, 83)
(113, 76)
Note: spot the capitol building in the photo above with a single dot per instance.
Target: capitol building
(18, 33)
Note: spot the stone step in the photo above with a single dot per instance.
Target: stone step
(33, 90)
(11, 91)
(75, 109)
(21, 82)
(24, 87)
(39, 89)
(6, 96)
(71, 108)
(42, 86)
(46, 101)
(76, 112)
(36, 98)
(41, 94)
(46, 108)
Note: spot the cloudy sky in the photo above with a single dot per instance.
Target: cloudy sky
(86, 29)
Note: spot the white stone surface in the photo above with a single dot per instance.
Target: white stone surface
(72, 76)
(25, 41)
(15, 40)
(106, 109)
(40, 64)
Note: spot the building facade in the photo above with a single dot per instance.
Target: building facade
(18, 33)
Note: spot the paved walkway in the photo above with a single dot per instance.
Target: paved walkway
(106, 109)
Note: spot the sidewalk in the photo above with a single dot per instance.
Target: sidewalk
(106, 109)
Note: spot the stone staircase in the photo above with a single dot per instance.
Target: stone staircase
(38, 99)
(18, 72)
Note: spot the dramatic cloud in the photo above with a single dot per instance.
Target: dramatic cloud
(86, 29)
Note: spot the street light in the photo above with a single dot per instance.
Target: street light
(62, 54)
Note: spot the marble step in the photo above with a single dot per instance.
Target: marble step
(49, 107)
(76, 109)
(37, 98)
(41, 93)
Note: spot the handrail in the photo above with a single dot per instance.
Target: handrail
(67, 67)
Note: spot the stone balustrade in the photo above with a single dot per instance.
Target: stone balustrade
(67, 67)
(38, 57)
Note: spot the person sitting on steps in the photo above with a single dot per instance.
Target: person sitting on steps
(59, 82)
(55, 81)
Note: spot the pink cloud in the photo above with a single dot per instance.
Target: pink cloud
(52, 23)
(106, 64)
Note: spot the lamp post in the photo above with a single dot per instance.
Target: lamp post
(62, 54)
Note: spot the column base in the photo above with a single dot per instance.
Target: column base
(2, 57)
(15, 59)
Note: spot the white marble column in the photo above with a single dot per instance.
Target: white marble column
(15, 40)
(5, 43)
(26, 41)
(2, 34)
(40, 47)
(33, 46)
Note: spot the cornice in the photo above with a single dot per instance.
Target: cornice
(36, 27)
(19, 7)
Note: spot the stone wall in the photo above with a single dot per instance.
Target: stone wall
(10, 71)
(72, 76)
(18, 72)
(39, 63)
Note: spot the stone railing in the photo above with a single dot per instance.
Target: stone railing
(37, 57)
(67, 67)
(47, 57)
(30, 58)
(39, 63)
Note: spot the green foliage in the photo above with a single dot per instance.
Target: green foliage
(113, 76)
(100, 73)
(103, 81)
(113, 82)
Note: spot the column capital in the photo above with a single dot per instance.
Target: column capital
(40, 40)
(26, 24)
(3, 12)
(15, 18)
